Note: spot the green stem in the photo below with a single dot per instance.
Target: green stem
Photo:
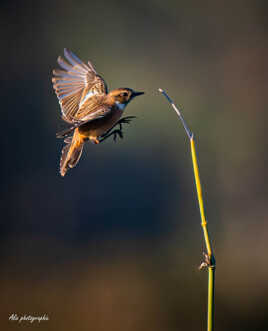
(211, 297)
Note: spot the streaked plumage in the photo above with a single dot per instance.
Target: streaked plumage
(87, 105)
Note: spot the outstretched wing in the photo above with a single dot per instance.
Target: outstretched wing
(76, 85)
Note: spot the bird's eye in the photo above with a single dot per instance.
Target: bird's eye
(125, 94)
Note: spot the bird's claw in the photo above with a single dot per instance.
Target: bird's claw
(125, 120)
(114, 133)
(117, 133)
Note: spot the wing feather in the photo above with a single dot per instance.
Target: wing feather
(95, 114)
(75, 61)
(75, 84)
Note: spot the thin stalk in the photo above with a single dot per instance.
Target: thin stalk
(200, 196)
(211, 297)
(209, 257)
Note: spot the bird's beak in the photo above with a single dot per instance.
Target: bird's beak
(135, 94)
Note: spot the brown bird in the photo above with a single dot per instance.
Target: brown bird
(87, 105)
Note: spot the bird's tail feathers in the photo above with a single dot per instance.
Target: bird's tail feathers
(71, 154)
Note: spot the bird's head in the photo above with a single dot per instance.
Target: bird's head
(122, 96)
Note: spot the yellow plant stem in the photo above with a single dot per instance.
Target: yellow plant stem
(200, 197)
(210, 260)
(211, 295)
(209, 257)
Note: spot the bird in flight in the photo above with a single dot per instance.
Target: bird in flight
(86, 105)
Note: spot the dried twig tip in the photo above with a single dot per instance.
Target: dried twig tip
(188, 132)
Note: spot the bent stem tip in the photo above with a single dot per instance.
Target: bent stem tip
(189, 133)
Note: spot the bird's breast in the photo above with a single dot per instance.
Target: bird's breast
(99, 126)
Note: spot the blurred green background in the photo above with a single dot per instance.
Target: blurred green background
(116, 244)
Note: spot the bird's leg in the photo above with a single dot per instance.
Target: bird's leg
(119, 132)
(123, 120)
(113, 133)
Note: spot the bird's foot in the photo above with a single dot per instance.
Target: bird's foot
(118, 132)
(114, 133)
(126, 120)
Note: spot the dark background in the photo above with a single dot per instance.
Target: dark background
(116, 244)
